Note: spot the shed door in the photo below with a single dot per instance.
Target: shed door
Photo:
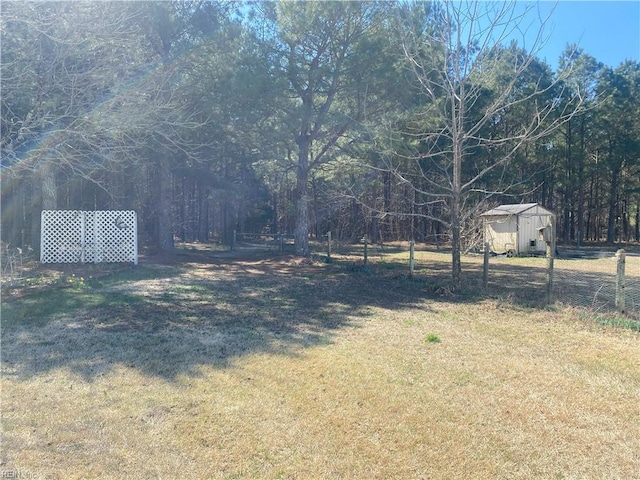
(501, 234)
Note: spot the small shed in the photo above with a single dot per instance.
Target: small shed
(517, 229)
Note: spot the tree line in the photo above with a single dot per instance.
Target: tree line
(387, 119)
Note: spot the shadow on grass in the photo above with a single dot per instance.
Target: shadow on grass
(171, 320)
(587, 288)
(525, 283)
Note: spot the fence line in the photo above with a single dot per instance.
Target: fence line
(604, 282)
(261, 240)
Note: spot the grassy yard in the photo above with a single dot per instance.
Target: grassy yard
(279, 368)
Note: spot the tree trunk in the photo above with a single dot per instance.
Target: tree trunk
(637, 229)
(375, 234)
(458, 113)
(596, 205)
(456, 203)
(568, 189)
(626, 220)
(613, 202)
(588, 235)
(165, 228)
(456, 265)
(49, 187)
(581, 182)
(302, 224)
(203, 214)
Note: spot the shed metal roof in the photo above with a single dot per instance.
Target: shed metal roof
(515, 209)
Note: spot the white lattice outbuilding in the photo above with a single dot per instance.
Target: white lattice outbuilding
(74, 236)
(517, 229)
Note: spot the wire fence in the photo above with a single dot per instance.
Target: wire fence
(586, 279)
(12, 261)
(278, 242)
(594, 283)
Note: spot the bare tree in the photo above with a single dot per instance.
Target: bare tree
(471, 85)
(85, 96)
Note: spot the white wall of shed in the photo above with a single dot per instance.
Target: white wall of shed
(500, 232)
(528, 226)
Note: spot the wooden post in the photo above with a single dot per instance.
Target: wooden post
(620, 294)
(551, 252)
(329, 244)
(281, 242)
(412, 245)
(366, 247)
(485, 268)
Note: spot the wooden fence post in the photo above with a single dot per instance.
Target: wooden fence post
(329, 244)
(412, 246)
(551, 252)
(620, 296)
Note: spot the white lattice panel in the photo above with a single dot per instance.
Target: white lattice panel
(70, 236)
(90, 238)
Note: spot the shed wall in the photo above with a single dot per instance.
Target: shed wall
(516, 228)
(528, 226)
(501, 233)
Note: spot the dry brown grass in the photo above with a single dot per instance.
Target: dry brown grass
(588, 282)
(270, 369)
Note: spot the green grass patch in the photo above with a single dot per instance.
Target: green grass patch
(431, 338)
(616, 321)
(39, 309)
(71, 293)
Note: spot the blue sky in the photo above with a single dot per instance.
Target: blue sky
(607, 30)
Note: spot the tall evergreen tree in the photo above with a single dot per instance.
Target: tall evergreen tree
(318, 48)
